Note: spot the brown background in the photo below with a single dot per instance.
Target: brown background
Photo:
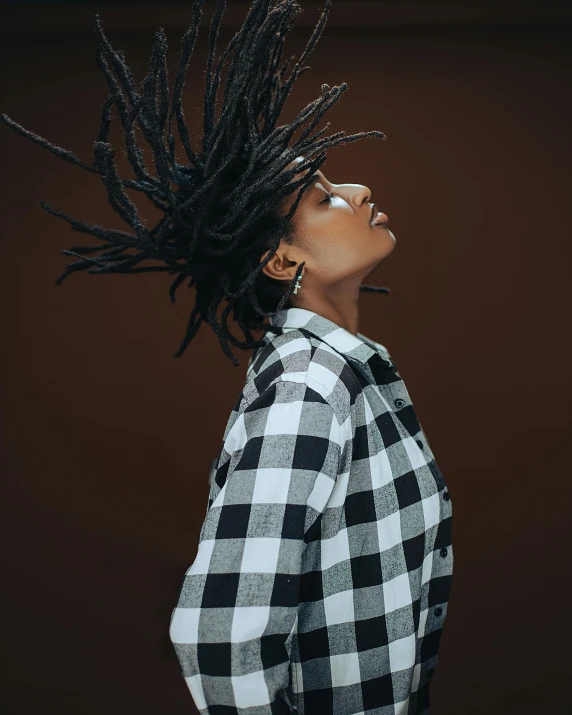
(107, 439)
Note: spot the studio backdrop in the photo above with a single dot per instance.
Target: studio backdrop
(107, 439)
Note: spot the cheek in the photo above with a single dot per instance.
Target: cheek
(336, 257)
(337, 245)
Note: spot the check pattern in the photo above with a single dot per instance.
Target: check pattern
(325, 559)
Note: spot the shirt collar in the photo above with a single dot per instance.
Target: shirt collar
(357, 347)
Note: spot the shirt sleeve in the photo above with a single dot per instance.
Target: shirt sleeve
(232, 627)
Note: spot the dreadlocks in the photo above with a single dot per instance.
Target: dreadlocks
(224, 211)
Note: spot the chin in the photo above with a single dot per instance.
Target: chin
(387, 245)
(388, 232)
(391, 239)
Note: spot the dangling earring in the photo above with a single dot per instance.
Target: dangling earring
(298, 282)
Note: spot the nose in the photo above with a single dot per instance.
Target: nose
(357, 194)
(365, 194)
(361, 193)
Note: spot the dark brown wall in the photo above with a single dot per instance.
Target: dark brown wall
(107, 439)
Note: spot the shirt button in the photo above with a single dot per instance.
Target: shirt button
(419, 443)
(443, 552)
(438, 611)
(446, 496)
(399, 402)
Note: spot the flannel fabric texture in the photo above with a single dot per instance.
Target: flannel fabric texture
(325, 559)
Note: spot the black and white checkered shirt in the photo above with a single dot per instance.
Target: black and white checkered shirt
(324, 565)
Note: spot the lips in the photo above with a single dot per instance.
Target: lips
(380, 217)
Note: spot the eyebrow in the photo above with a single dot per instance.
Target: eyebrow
(315, 177)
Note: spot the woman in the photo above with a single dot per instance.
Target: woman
(324, 564)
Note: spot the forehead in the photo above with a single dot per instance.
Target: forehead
(299, 160)
(287, 202)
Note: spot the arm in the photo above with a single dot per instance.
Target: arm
(237, 610)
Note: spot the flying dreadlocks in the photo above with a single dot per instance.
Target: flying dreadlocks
(224, 211)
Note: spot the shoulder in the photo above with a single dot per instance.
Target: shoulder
(298, 357)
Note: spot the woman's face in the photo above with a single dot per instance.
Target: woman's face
(333, 235)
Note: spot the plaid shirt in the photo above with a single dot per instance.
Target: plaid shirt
(324, 563)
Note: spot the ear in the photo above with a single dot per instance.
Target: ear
(279, 267)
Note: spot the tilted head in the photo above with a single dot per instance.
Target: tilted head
(339, 236)
(236, 195)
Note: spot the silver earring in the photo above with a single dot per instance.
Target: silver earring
(298, 282)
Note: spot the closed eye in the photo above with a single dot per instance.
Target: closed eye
(328, 198)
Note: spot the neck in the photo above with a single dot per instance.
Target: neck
(338, 303)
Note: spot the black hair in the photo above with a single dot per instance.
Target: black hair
(224, 212)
